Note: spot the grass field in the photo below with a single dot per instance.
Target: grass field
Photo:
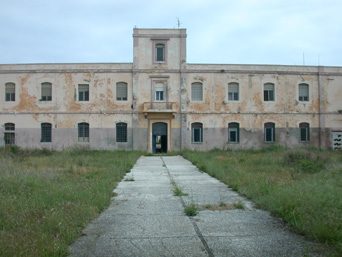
(46, 198)
(302, 186)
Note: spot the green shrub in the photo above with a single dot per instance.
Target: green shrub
(302, 160)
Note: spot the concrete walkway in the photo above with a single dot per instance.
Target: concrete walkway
(146, 219)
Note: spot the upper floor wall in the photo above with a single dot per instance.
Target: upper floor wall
(159, 49)
(264, 88)
(66, 88)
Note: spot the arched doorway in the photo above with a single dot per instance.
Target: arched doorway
(159, 137)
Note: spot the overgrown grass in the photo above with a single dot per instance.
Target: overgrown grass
(47, 197)
(303, 186)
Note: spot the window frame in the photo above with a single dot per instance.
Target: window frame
(9, 96)
(121, 132)
(269, 127)
(197, 126)
(267, 92)
(46, 97)
(46, 132)
(193, 86)
(233, 96)
(83, 132)
(9, 134)
(158, 53)
(304, 127)
(303, 96)
(159, 94)
(159, 42)
(234, 127)
(124, 87)
(83, 96)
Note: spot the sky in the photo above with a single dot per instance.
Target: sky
(281, 32)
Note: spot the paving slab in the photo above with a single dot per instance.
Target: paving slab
(146, 219)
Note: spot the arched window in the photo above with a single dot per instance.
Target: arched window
(160, 53)
(304, 132)
(197, 132)
(121, 91)
(269, 92)
(233, 92)
(269, 132)
(10, 92)
(83, 132)
(121, 132)
(197, 91)
(233, 132)
(9, 134)
(46, 129)
(46, 91)
(303, 92)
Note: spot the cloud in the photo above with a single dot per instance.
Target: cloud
(224, 31)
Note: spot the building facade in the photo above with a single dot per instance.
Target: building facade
(160, 103)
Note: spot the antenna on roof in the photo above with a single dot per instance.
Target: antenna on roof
(178, 22)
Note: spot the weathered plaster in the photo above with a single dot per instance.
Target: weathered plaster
(323, 110)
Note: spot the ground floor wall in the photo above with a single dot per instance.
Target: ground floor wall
(215, 131)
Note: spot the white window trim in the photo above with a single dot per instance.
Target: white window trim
(303, 101)
(197, 101)
(193, 135)
(236, 135)
(272, 135)
(239, 92)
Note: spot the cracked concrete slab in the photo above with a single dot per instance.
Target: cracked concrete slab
(146, 219)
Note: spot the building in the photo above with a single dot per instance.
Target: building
(161, 103)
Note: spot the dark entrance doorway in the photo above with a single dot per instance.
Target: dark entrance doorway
(159, 137)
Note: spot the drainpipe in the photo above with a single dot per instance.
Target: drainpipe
(321, 108)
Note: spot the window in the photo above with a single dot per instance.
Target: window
(303, 92)
(46, 91)
(269, 132)
(121, 132)
(83, 92)
(197, 132)
(304, 132)
(121, 91)
(83, 132)
(46, 132)
(160, 53)
(269, 92)
(159, 94)
(196, 91)
(10, 92)
(233, 132)
(9, 134)
(233, 92)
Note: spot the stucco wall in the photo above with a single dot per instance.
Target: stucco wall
(323, 110)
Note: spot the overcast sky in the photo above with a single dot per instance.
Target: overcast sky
(219, 31)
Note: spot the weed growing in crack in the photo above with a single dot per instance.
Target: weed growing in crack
(178, 191)
(191, 210)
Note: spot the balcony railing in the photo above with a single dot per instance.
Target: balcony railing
(170, 107)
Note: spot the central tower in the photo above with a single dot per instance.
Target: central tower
(159, 64)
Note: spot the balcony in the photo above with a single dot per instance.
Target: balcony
(160, 107)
